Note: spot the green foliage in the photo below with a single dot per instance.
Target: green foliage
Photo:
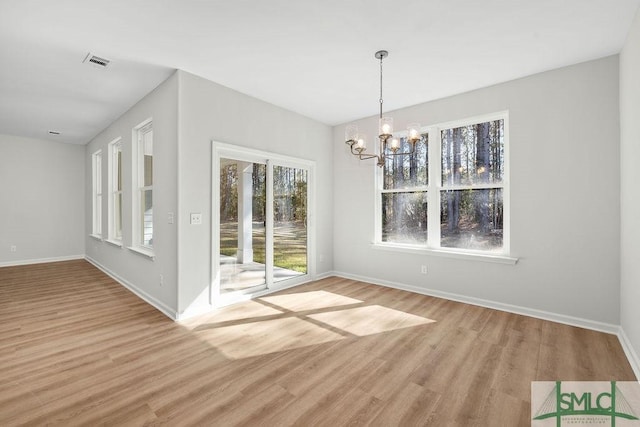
(290, 244)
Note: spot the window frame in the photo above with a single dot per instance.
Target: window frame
(96, 194)
(115, 147)
(139, 188)
(434, 189)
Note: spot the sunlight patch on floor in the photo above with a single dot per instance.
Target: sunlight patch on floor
(369, 320)
(283, 322)
(240, 311)
(269, 336)
(312, 300)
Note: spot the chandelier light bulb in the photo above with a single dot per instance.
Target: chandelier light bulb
(414, 131)
(386, 125)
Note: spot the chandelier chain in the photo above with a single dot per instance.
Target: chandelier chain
(381, 86)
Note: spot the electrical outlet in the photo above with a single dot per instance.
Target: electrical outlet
(196, 219)
(13, 248)
(161, 280)
(170, 217)
(423, 269)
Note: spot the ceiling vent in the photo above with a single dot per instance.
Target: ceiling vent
(96, 60)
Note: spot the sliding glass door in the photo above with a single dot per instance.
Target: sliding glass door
(242, 225)
(289, 222)
(261, 239)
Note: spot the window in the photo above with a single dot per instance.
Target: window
(96, 167)
(451, 193)
(143, 191)
(405, 187)
(115, 191)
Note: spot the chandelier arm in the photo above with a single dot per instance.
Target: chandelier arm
(366, 156)
(400, 154)
(360, 154)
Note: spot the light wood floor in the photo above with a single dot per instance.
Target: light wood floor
(76, 348)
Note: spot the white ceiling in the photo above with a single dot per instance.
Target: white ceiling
(314, 57)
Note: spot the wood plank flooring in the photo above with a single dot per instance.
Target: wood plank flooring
(76, 348)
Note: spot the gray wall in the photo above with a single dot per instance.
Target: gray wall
(629, 192)
(138, 271)
(42, 191)
(188, 113)
(209, 111)
(565, 211)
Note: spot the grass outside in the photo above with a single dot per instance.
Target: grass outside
(289, 241)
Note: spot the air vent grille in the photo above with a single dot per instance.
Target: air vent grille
(96, 60)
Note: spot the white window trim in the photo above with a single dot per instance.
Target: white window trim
(96, 195)
(113, 192)
(136, 158)
(142, 250)
(117, 243)
(434, 188)
(446, 253)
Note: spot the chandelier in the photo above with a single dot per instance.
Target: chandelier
(389, 145)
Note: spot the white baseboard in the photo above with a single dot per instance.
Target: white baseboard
(539, 314)
(325, 275)
(632, 356)
(162, 307)
(40, 260)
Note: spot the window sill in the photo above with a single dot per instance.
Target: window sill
(96, 236)
(142, 251)
(472, 256)
(117, 243)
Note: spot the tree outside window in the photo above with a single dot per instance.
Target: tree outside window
(449, 193)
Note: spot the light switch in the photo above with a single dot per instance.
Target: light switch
(170, 217)
(196, 218)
